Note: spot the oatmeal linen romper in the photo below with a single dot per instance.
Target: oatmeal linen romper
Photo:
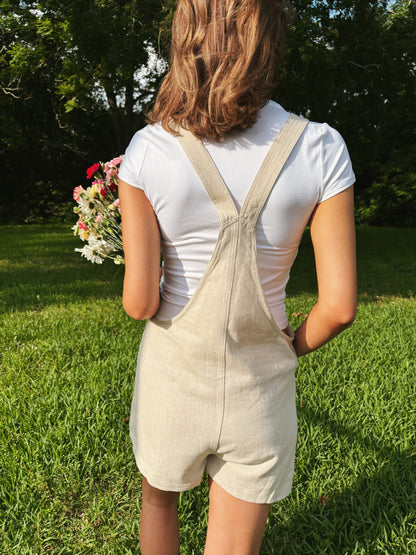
(215, 385)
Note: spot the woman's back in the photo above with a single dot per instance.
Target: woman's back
(318, 168)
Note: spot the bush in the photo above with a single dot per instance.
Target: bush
(389, 201)
(43, 202)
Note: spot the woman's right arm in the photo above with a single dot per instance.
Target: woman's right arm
(141, 244)
(333, 237)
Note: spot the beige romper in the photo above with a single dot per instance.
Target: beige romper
(215, 385)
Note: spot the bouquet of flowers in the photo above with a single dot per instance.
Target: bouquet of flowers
(99, 220)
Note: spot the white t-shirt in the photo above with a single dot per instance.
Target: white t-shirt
(318, 168)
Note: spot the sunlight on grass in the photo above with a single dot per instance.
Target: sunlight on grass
(68, 481)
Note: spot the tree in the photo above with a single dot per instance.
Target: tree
(75, 77)
(73, 80)
(351, 63)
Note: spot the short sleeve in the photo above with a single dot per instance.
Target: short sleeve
(132, 163)
(337, 172)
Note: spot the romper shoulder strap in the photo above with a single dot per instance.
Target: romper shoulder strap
(209, 174)
(266, 177)
(272, 165)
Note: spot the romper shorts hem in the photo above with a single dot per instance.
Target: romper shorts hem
(238, 494)
(263, 497)
(268, 490)
(163, 485)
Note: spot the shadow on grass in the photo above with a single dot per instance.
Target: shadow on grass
(36, 288)
(377, 507)
(385, 258)
(38, 268)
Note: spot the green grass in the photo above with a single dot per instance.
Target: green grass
(68, 481)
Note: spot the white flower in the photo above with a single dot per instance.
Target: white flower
(84, 206)
(99, 245)
(90, 254)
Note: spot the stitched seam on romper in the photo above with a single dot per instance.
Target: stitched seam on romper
(231, 275)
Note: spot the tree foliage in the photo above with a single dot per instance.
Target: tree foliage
(72, 92)
(352, 64)
(69, 77)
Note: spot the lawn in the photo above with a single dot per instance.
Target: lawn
(68, 481)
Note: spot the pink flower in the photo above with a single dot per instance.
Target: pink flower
(110, 172)
(98, 218)
(82, 225)
(92, 169)
(77, 192)
(116, 161)
(111, 167)
(116, 203)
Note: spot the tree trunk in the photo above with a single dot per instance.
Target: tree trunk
(116, 119)
(128, 108)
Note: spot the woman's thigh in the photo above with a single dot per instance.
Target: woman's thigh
(235, 527)
(156, 497)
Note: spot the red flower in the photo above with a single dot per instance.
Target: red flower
(92, 169)
(81, 225)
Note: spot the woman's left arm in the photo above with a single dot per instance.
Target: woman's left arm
(333, 238)
(141, 244)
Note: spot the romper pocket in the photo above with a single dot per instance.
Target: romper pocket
(289, 333)
(290, 336)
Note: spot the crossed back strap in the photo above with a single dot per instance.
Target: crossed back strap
(269, 171)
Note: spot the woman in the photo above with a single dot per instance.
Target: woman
(226, 181)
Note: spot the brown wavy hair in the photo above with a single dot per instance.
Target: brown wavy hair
(223, 65)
